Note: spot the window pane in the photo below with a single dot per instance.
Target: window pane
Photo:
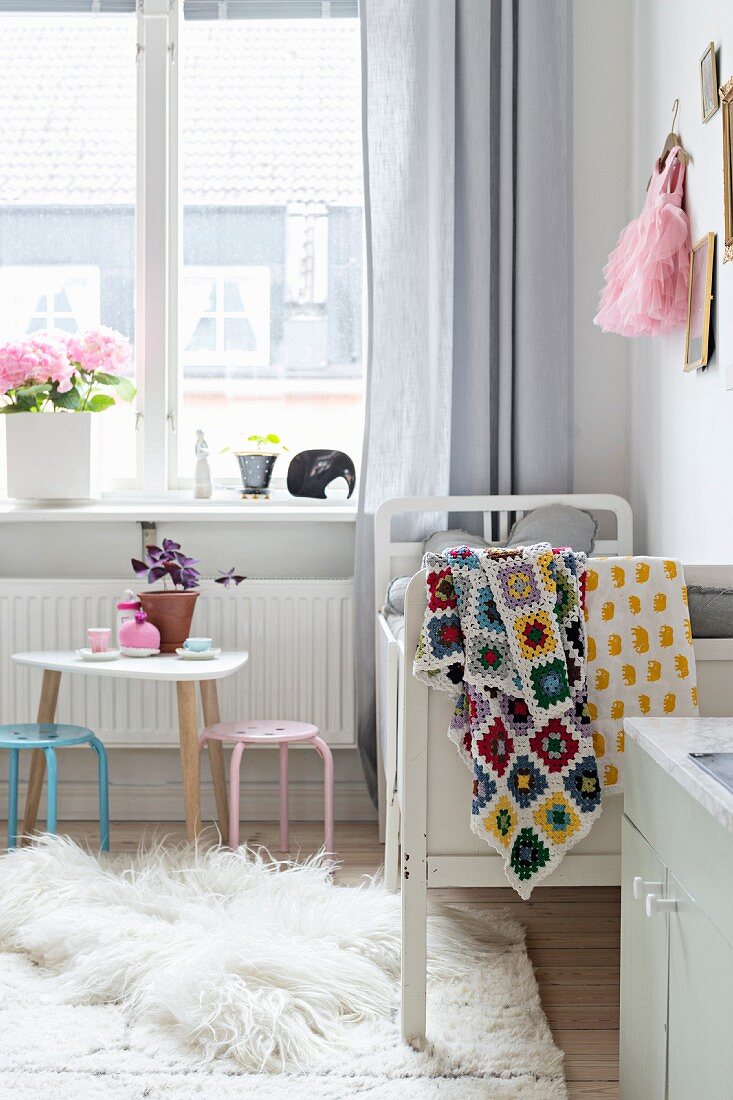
(61, 303)
(204, 337)
(239, 335)
(67, 186)
(232, 298)
(273, 205)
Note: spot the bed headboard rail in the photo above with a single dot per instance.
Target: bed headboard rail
(394, 558)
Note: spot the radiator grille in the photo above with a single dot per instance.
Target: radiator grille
(299, 634)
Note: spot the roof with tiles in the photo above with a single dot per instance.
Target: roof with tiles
(271, 112)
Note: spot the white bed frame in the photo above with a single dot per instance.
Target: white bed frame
(431, 791)
(393, 558)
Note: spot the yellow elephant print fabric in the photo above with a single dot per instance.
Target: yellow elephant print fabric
(640, 655)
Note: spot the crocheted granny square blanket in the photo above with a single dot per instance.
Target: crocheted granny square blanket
(505, 631)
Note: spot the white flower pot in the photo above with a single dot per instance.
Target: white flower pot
(49, 455)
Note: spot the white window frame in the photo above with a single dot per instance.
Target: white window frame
(47, 276)
(220, 275)
(159, 247)
(157, 250)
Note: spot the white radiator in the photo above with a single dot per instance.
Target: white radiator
(299, 634)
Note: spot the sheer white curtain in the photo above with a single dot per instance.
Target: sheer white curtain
(468, 161)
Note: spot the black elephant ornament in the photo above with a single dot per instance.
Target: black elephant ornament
(310, 472)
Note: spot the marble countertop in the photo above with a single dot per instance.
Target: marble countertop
(668, 741)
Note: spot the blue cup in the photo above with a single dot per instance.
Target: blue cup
(197, 645)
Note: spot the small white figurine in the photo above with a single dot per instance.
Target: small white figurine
(202, 475)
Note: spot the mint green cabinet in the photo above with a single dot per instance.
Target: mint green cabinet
(643, 974)
(676, 942)
(700, 1003)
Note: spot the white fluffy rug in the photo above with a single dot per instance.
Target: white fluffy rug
(182, 974)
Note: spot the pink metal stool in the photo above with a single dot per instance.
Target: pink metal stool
(282, 734)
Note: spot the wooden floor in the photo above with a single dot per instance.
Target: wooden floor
(572, 939)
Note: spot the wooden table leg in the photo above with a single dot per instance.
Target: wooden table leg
(190, 766)
(46, 713)
(210, 704)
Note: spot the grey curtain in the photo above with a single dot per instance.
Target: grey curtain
(468, 161)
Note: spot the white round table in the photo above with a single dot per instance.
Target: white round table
(167, 667)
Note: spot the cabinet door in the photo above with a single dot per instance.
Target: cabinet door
(700, 1059)
(643, 976)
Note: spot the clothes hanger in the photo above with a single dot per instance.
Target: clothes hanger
(673, 139)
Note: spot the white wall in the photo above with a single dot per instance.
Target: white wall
(681, 426)
(602, 59)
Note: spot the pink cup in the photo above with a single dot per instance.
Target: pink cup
(98, 638)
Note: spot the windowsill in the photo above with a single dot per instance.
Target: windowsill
(179, 506)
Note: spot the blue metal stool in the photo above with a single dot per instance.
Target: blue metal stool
(49, 737)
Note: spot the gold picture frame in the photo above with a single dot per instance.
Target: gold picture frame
(699, 299)
(726, 97)
(709, 100)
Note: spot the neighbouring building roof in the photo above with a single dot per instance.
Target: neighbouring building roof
(271, 112)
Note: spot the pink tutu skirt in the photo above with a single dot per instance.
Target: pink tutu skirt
(648, 271)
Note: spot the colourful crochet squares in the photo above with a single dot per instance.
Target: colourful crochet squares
(463, 555)
(557, 819)
(526, 782)
(516, 637)
(555, 744)
(484, 788)
(501, 821)
(441, 593)
(487, 614)
(529, 854)
(550, 682)
(445, 635)
(535, 634)
(518, 585)
(584, 785)
(492, 655)
(495, 746)
(516, 714)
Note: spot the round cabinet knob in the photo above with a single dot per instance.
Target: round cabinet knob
(640, 887)
(655, 904)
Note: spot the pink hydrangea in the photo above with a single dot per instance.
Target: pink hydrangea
(100, 349)
(39, 358)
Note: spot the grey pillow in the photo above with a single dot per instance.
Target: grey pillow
(443, 540)
(711, 611)
(396, 590)
(558, 524)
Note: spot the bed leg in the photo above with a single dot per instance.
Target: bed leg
(392, 844)
(414, 953)
(414, 808)
(382, 801)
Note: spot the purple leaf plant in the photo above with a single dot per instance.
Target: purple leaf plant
(169, 563)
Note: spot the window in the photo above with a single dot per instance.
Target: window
(36, 297)
(68, 106)
(226, 321)
(270, 122)
(189, 172)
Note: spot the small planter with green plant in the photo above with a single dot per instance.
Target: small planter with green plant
(256, 464)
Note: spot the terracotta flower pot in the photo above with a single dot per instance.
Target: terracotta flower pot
(172, 613)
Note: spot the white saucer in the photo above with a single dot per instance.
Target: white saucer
(128, 652)
(192, 655)
(108, 655)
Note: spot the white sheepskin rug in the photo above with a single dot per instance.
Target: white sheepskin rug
(180, 973)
